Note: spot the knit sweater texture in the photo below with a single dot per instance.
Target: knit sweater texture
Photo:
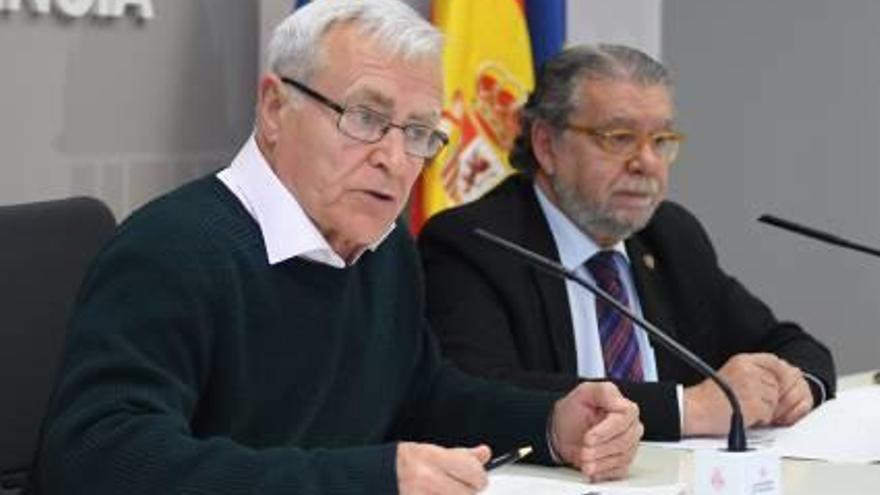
(193, 366)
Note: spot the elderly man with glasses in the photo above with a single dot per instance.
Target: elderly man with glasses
(597, 142)
(263, 330)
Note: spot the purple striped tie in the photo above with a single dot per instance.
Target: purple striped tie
(619, 346)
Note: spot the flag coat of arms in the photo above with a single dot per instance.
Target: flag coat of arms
(488, 74)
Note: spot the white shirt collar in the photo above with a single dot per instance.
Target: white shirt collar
(287, 231)
(575, 247)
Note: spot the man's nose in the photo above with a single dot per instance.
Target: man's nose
(645, 158)
(392, 150)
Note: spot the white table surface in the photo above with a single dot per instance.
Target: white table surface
(655, 466)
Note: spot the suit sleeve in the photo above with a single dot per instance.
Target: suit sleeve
(471, 313)
(739, 320)
(786, 339)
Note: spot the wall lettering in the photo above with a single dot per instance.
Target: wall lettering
(140, 9)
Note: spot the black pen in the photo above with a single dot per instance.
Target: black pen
(507, 458)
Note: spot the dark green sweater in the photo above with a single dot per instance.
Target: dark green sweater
(193, 366)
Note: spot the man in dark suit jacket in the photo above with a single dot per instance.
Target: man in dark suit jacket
(597, 141)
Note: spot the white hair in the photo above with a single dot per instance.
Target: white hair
(295, 48)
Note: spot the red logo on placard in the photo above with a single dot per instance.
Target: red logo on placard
(717, 480)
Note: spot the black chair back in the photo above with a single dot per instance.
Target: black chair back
(45, 249)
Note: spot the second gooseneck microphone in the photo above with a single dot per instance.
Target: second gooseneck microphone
(818, 235)
(736, 438)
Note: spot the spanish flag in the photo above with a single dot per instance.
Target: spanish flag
(488, 75)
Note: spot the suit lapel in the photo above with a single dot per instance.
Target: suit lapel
(653, 297)
(551, 289)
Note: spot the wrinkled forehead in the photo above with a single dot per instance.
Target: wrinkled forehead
(365, 71)
(364, 34)
(626, 103)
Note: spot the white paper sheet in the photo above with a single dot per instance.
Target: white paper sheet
(522, 484)
(846, 429)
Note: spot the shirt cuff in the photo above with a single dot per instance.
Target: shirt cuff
(822, 395)
(679, 394)
(548, 438)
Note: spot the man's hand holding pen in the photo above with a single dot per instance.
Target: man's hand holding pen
(428, 469)
(595, 429)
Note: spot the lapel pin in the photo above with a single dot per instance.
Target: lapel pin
(649, 261)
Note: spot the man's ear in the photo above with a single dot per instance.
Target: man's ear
(542, 138)
(271, 102)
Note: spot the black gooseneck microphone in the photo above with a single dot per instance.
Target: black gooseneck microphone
(815, 234)
(736, 438)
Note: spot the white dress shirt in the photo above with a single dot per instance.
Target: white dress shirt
(287, 230)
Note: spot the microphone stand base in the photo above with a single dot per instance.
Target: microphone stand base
(721, 472)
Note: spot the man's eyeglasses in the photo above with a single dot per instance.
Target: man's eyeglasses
(626, 143)
(369, 126)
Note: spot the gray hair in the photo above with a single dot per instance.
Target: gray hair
(556, 92)
(295, 48)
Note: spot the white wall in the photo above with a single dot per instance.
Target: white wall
(633, 22)
(781, 102)
(629, 22)
(120, 109)
(271, 13)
